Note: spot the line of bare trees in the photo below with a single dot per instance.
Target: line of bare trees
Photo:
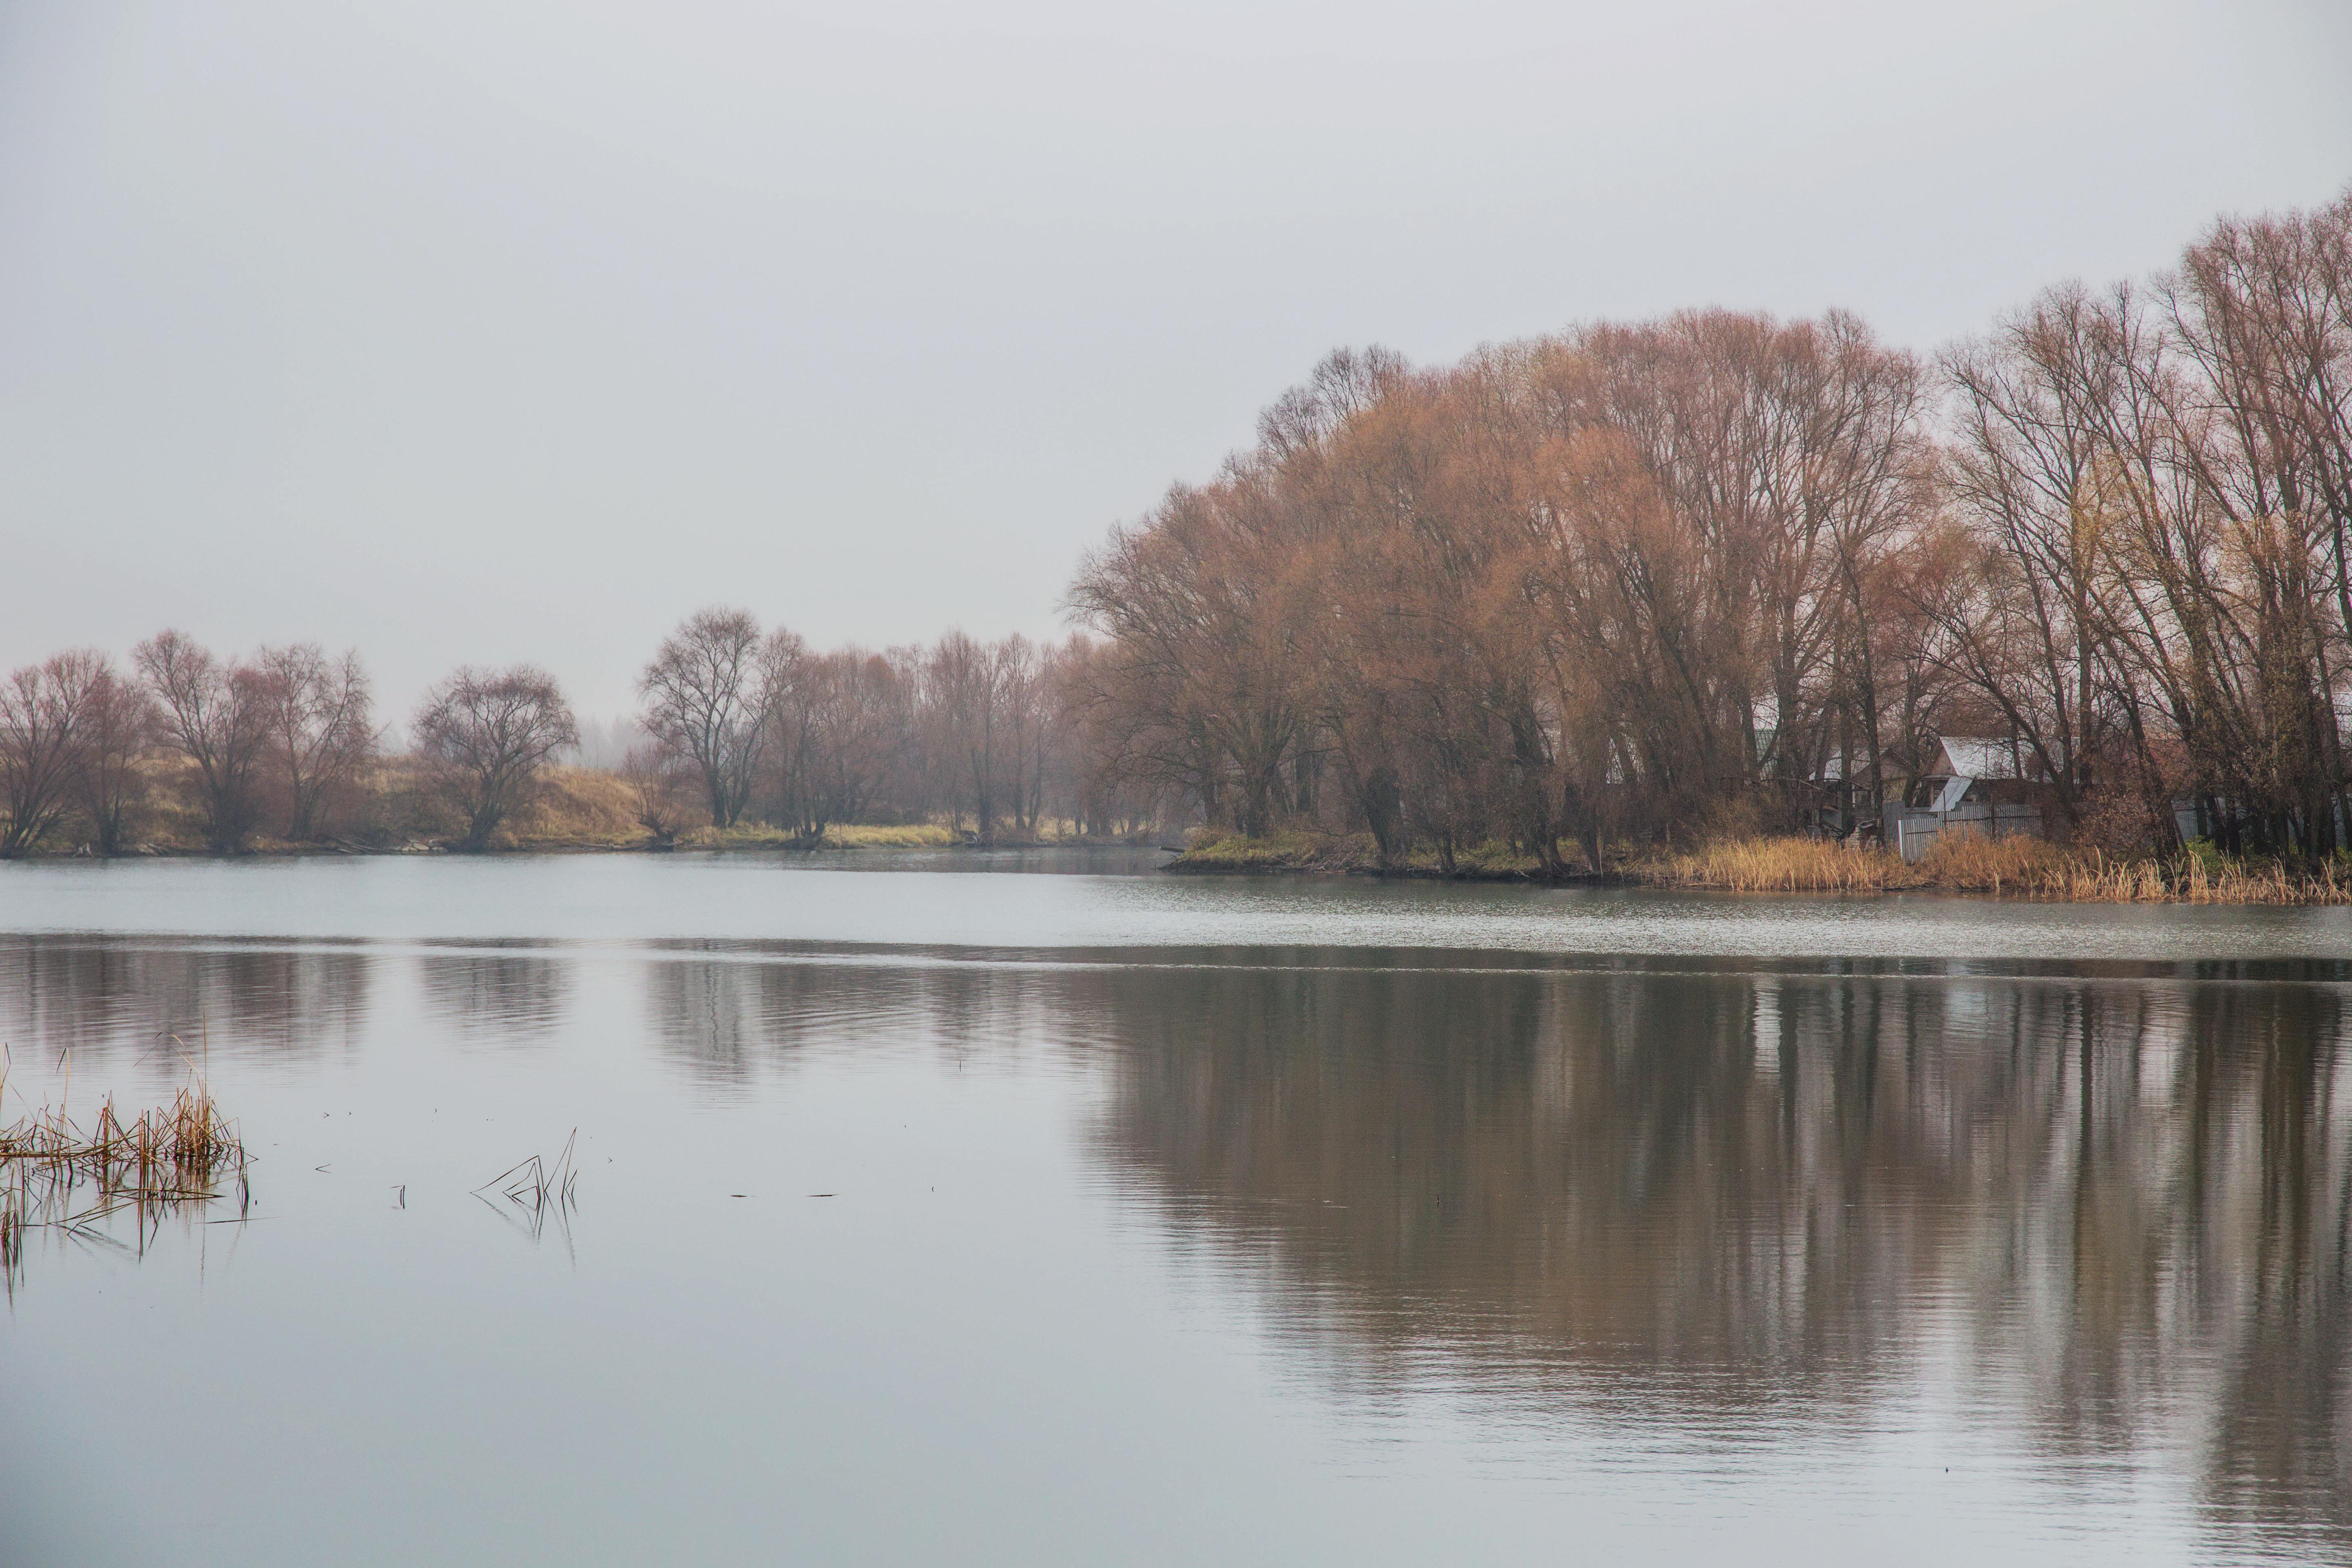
(748, 725)
(1717, 571)
(1711, 572)
(280, 743)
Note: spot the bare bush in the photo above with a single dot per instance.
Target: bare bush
(658, 788)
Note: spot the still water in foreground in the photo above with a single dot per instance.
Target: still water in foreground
(927, 1217)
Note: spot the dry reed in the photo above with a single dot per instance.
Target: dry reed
(2014, 868)
(1779, 866)
(57, 1175)
(540, 1188)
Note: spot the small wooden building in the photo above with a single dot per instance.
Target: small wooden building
(1970, 784)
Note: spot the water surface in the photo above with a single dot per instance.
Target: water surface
(1177, 1220)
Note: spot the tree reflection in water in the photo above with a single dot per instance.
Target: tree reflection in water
(507, 994)
(2119, 1204)
(2110, 1208)
(95, 996)
(724, 1011)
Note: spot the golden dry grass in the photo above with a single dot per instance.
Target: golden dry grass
(837, 835)
(579, 806)
(2016, 867)
(906, 836)
(1777, 865)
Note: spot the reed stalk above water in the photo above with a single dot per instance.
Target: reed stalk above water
(56, 1173)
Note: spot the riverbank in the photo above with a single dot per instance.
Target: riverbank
(579, 811)
(2013, 868)
(1212, 853)
(394, 809)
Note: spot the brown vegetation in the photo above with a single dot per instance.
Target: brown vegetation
(1717, 573)
(57, 1175)
(766, 734)
(1708, 577)
(487, 737)
(2017, 867)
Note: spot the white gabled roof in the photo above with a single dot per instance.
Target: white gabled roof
(1972, 757)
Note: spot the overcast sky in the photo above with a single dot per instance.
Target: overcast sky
(466, 332)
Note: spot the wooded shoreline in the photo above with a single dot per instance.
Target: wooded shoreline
(2023, 868)
(1695, 580)
(2027, 869)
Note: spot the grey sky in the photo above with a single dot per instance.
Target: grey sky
(461, 331)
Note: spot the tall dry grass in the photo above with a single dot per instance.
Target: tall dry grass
(2012, 868)
(1778, 866)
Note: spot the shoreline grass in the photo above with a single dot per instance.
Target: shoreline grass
(2011, 868)
(1963, 863)
(1213, 852)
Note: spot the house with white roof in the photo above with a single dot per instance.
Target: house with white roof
(1969, 784)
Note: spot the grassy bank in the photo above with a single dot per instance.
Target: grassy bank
(837, 835)
(394, 808)
(2012, 867)
(1211, 852)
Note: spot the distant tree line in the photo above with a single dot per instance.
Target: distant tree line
(1710, 571)
(984, 736)
(1714, 572)
(746, 728)
(285, 743)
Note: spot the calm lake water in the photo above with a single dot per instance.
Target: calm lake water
(931, 1216)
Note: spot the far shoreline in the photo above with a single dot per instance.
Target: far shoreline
(2025, 870)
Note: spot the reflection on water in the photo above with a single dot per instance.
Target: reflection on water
(2104, 1218)
(96, 997)
(509, 997)
(2120, 1209)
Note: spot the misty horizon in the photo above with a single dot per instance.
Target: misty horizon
(456, 338)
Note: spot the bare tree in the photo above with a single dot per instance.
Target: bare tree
(859, 726)
(118, 732)
(792, 685)
(706, 698)
(213, 712)
(487, 735)
(318, 714)
(964, 683)
(2026, 627)
(45, 711)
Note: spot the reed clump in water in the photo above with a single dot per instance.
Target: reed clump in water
(2016, 867)
(56, 1173)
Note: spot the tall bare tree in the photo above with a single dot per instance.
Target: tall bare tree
(488, 736)
(320, 716)
(45, 719)
(214, 712)
(707, 698)
(118, 733)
